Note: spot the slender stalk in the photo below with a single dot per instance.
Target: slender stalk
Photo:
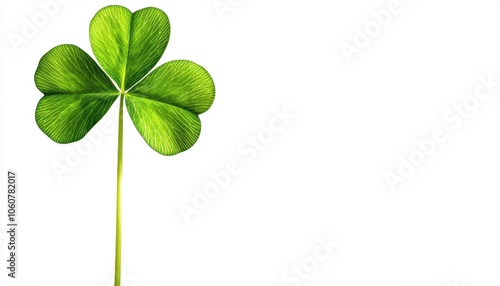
(118, 245)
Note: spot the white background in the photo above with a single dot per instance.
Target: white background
(322, 176)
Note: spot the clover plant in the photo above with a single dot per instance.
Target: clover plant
(163, 104)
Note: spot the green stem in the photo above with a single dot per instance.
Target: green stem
(118, 245)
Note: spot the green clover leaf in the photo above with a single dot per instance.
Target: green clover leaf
(163, 104)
